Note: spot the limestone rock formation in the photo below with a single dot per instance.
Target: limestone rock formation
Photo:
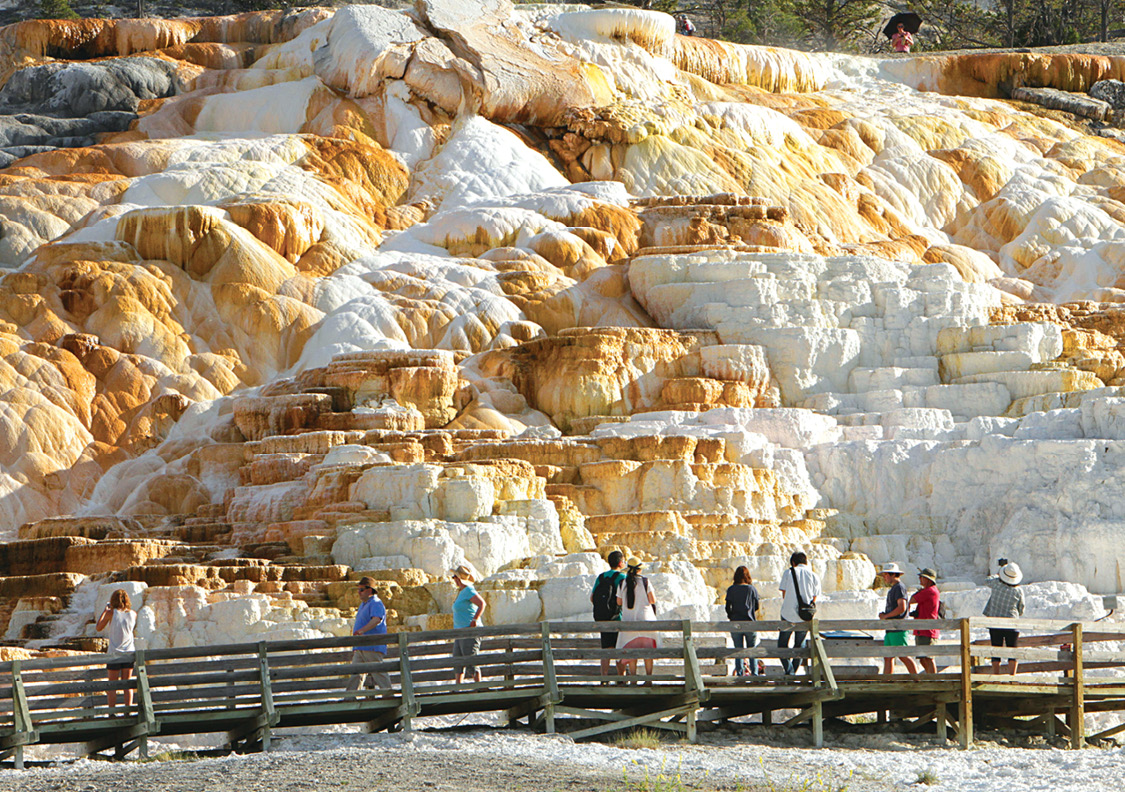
(296, 296)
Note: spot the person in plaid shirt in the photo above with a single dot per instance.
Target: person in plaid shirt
(1006, 600)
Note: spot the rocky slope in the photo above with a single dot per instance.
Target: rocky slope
(293, 297)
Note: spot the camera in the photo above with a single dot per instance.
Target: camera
(1001, 562)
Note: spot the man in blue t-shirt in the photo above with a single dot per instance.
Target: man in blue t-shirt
(370, 620)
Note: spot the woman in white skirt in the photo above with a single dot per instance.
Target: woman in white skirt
(638, 604)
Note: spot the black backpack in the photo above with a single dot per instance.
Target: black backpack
(605, 597)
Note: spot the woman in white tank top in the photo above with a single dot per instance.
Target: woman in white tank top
(121, 619)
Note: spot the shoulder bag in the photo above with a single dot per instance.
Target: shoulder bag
(805, 610)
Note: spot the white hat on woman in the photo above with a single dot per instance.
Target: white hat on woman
(1011, 573)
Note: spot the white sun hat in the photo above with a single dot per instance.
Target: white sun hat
(1011, 573)
(892, 568)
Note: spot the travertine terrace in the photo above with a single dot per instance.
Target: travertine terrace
(291, 297)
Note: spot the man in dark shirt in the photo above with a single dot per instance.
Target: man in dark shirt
(613, 578)
(895, 610)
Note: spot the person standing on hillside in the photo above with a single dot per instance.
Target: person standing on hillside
(1005, 601)
(800, 587)
(902, 40)
(121, 619)
(370, 620)
(467, 608)
(927, 603)
(742, 606)
(604, 601)
(896, 609)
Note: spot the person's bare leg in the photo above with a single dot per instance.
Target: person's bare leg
(928, 665)
(459, 677)
(908, 662)
(648, 670)
(125, 675)
(888, 666)
(995, 666)
(111, 695)
(1012, 664)
(476, 675)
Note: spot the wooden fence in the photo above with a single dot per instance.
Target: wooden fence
(550, 674)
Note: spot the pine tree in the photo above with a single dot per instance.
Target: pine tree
(56, 9)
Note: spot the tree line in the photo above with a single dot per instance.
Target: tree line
(856, 25)
(841, 25)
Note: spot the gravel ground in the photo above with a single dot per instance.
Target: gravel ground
(484, 758)
(380, 768)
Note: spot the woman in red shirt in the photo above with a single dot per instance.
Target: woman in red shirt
(902, 40)
(927, 601)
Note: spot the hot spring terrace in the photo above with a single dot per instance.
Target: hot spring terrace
(548, 675)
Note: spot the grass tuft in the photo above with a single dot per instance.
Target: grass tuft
(927, 777)
(171, 756)
(640, 738)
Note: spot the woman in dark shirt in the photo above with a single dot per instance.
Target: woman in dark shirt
(742, 606)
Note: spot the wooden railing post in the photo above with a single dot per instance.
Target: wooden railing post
(145, 712)
(21, 713)
(549, 679)
(269, 713)
(965, 722)
(1078, 702)
(406, 683)
(815, 661)
(693, 679)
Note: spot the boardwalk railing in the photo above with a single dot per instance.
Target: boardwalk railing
(550, 675)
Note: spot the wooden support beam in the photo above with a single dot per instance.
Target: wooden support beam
(942, 725)
(1120, 728)
(672, 725)
(387, 721)
(819, 652)
(549, 680)
(818, 724)
(269, 712)
(804, 715)
(1077, 708)
(636, 721)
(922, 721)
(117, 739)
(248, 733)
(406, 683)
(145, 714)
(21, 716)
(965, 721)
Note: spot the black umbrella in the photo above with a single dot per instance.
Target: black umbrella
(908, 19)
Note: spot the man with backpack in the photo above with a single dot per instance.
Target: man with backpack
(604, 600)
(800, 587)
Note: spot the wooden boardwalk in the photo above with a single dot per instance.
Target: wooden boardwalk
(547, 675)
